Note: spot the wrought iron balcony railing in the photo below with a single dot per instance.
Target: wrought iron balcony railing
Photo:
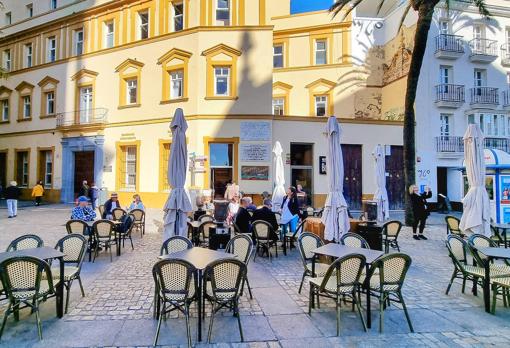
(484, 95)
(449, 43)
(484, 47)
(450, 93)
(82, 117)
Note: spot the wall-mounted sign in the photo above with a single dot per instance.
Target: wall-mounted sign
(260, 173)
(256, 131)
(322, 165)
(255, 152)
(107, 169)
(287, 158)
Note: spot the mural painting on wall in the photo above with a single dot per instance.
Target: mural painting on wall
(398, 66)
(368, 105)
(394, 114)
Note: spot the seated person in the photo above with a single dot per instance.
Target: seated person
(207, 199)
(251, 206)
(266, 214)
(243, 218)
(82, 211)
(109, 205)
(137, 203)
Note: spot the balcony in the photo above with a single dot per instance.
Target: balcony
(453, 146)
(449, 96)
(85, 118)
(505, 55)
(483, 50)
(449, 46)
(484, 97)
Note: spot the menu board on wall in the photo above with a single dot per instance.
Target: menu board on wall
(256, 131)
(255, 152)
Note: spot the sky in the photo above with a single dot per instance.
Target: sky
(299, 6)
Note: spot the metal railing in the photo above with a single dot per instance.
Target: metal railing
(484, 47)
(484, 95)
(449, 43)
(506, 98)
(82, 117)
(497, 143)
(449, 144)
(450, 93)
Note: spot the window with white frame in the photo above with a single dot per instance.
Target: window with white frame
(50, 103)
(53, 4)
(445, 124)
(278, 56)
(27, 106)
(22, 168)
(30, 10)
(278, 106)
(86, 99)
(130, 169)
(321, 52)
(223, 12)
(47, 157)
(78, 42)
(52, 49)
(178, 18)
(221, 81)
(7, 60)
(8, 18)
(143, 25)
(176, 84)
(444, 27)
(109, 33)
(5, 110)
(28, 55)
(321, 105)
(132, 91)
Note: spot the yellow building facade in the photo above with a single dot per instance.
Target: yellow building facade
(92, 87)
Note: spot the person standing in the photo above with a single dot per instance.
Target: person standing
(38, 192)
(290, 211)
(420, 210)
(93, 195)
(84, 190)
(12, 194)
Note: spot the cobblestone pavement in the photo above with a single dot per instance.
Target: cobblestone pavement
(117, 308)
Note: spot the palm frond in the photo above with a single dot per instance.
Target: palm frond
(482, 8)
(408, 8)
(379, 7)
(338, 6)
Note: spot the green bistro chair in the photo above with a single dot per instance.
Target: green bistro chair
(139, 222)
(22, 279)
(74, 247)
(204, 231)
(105, 235)
(480, 241)
(224, 289)
(76, 227)
(387, 284)
(341, 279)
(290, 237)
(175, 244)
(391, 230)
(354, 240)
(265, 237)
(306, 243)
(28, 241)
(118, 213)
(452, 226)
(177, 287)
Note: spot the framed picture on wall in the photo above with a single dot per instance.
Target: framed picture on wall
(322, 165)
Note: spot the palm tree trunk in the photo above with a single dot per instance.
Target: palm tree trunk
(425, 12)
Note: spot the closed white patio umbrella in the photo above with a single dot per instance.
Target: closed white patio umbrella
(279, 178)
(381, 194)
(335, 217)
(476, 214)
(178, 203)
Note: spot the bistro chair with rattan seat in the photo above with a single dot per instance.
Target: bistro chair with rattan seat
(354, 240)
(306, 243)
(387, 276)
(290, 237)
(241, 246)
(175, 244)
(129, 232)
(452, 226)
(76, 227)
(204, 232)
(104, 232)
(224, 288)
(118, 213)
(139, 222)
(497, 237)
(476, 241)
(27, 241)
(500, 286)
(22, 279)
(390, 233)
(342, 279)
(177, 288)
(74, 247)
(101, 209)
(265, 238)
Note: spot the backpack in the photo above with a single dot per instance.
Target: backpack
(125, 223)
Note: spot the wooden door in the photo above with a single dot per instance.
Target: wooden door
(395, 178)
(352, 175)
(3, 169)
(83, 169)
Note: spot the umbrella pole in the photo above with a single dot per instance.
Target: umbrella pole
(176, 224)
